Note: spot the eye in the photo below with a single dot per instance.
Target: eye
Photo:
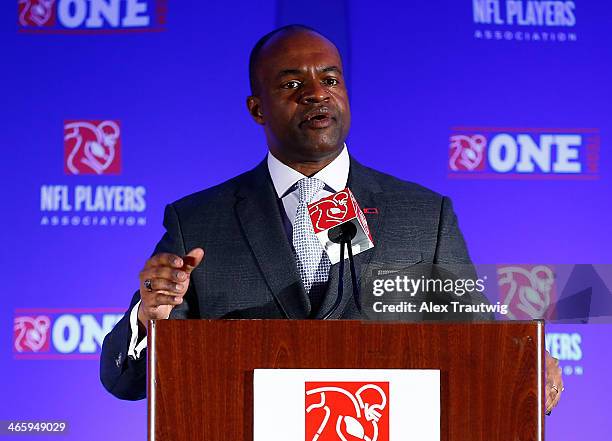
(293, 84)
(331, 81)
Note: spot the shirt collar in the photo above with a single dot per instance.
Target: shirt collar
(334, 175)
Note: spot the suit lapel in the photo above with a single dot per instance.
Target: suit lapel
(369, 194)
(258, 212)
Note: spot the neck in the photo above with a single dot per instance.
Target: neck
(308, 167)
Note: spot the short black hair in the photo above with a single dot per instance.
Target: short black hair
(254, 57)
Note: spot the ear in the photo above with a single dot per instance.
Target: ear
(254, 105)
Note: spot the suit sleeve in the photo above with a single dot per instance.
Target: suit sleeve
(452, 260)
(122, 376)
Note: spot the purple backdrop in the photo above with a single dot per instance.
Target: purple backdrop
(111, 114)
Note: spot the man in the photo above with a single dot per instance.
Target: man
(262, 259)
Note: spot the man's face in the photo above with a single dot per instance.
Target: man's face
(301, 99)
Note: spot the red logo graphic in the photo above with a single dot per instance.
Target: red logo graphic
(36, 12)
(92, 147)
(331, 211)
(31, 333)
(528, 290)
(347, 411)
(467, 152)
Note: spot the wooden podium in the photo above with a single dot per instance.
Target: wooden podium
(200, 384)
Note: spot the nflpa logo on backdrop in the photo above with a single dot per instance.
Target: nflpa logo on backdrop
(532, 153)
(528, 290)
(347, 411)
(91, 16)
(61, 333)
(36, 12)
(31, 333)
(92, 147)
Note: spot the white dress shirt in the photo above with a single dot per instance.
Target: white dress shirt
(334, 175)
(284, 178)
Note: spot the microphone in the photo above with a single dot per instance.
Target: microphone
(342, 233)
(338, 222)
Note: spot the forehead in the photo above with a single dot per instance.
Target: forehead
(297, 50)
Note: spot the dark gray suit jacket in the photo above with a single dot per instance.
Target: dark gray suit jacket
(249, 270)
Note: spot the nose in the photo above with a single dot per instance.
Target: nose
(314, 93)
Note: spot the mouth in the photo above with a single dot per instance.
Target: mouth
(319, 118)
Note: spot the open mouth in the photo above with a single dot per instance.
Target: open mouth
(318, 119)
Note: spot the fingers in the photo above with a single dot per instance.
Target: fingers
(168, 287)
(193, 259)
(166, 273)
(164, 281)
(555, 399)
(165, 259)
(187, 263)
(163, 299)
(158, 303)
(554, 383)
(550, 396)
(162, 286)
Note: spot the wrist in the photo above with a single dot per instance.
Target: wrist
(142, 323)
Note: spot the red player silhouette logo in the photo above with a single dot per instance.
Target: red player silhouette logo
(36, 12)
(467, 152)
(528, 290)
(347, 411)
(31, 334)
(92, 147)
(331, 211)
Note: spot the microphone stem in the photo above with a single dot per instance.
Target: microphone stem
(340, 283)
(353, 276)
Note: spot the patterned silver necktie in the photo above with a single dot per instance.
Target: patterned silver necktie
(311, 258)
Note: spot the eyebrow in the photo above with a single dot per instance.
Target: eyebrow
(286, 72)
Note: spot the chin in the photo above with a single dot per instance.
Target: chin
(324, 143)
(320, 150)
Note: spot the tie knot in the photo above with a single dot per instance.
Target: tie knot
(308, 188)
